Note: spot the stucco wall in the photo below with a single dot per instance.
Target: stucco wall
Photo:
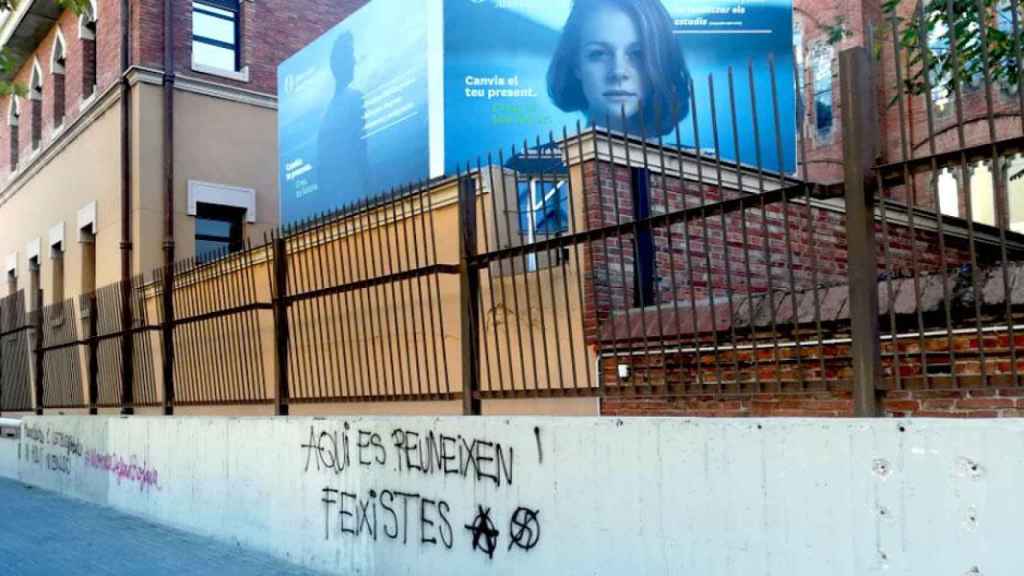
(560, 496)
(86, 170)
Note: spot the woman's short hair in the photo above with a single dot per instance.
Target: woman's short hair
(664, 67)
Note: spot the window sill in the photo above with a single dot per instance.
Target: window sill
(240, 76)
(56, 131)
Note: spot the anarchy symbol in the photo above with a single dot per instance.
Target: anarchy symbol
(524, 528)
(485, 535)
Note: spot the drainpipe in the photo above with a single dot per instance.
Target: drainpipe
(127, 356)
(168, 283)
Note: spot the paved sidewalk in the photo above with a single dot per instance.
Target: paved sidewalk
(44, 534)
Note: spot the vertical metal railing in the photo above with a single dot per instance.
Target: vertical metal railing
(697, 261)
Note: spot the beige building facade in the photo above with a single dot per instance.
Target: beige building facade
(62, 191)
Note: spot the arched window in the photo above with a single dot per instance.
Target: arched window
(821, 66)
(57, 60)
(949, 193)
(1014, 175)
(983, 202)
(35, 93)
(1006, 28)
(13, 115)
(87, 27)
(938, 47)
(799, 70)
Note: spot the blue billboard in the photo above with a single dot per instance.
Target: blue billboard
(428, 85)
(352, 103)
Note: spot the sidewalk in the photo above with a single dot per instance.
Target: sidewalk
(42, 533)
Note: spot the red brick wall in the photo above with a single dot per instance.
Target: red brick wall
(973, 108)
(865, 25)
(980, 403)
(952, 385)
(108, 71)
(694, 265)
(272, 30)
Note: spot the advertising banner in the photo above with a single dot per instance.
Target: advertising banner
(353, 114)
(439, 84)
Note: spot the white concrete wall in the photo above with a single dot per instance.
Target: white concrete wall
(8, 458)
(573, 496)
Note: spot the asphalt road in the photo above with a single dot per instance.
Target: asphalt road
(42, 533)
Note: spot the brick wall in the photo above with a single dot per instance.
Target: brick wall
(271, 30)
(950, 381)
(974, 109)
(105, 50)
(719, 256)
(865, 24)
(980, 403)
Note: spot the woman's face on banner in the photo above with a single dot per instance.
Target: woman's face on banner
(610, 65)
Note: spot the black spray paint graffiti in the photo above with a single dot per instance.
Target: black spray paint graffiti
(485, 535)
(427, 453)
(524, 529)
(52, 449)
(411, 518)
(408, 518)
(390, 514)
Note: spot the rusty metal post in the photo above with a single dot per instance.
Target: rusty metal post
(168, 337)
(93, 345)
(127, 348)
(469, 292)
(860, 147)
(37, 354)
(282, 332)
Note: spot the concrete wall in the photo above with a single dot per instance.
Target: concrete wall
(560, 496)
(8, 458)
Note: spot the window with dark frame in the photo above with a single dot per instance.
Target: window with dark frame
(219, 229)
(215, 34)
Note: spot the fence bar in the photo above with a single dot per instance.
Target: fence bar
(469, 285)
(37, 353)
(93, 347)
(168, 339)
(860, 141)
(281, 331)
(127, 349)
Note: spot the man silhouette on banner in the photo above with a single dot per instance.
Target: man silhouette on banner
(342, 163)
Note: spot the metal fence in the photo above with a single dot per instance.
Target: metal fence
(593, 262)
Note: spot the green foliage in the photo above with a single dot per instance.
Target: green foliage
(7, 64)
(835, 32)
(954, 41)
